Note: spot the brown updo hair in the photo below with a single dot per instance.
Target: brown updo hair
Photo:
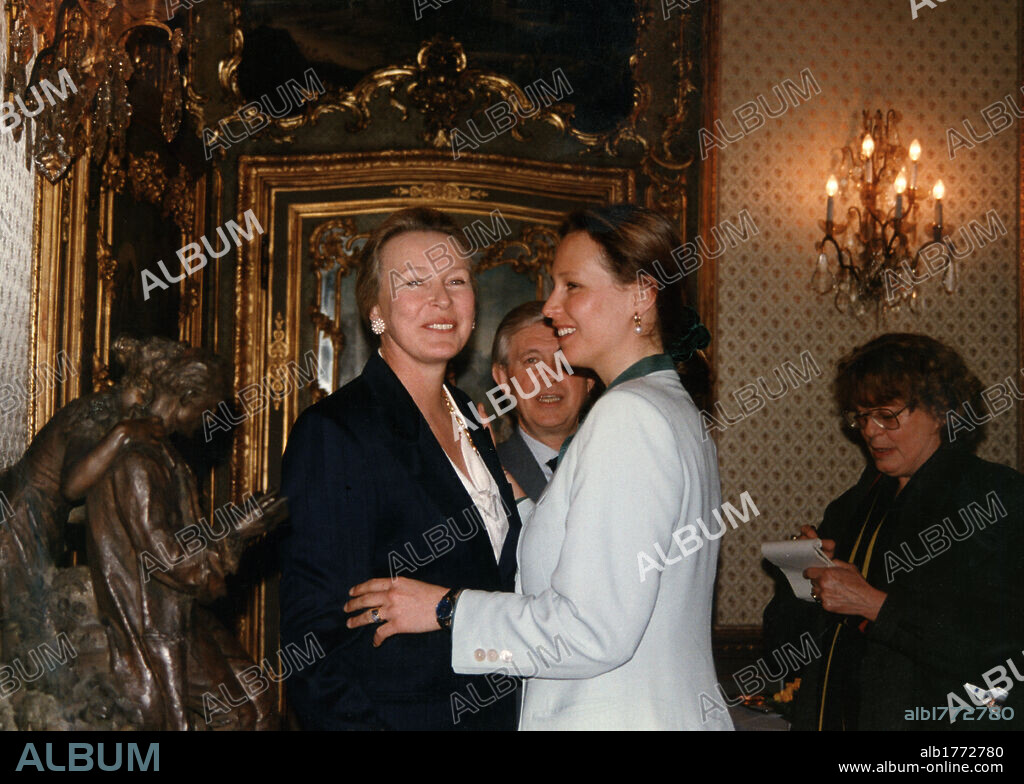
(368, 277)
(917, 369)
(637, 244)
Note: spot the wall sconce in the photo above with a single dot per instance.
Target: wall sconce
(875, 264)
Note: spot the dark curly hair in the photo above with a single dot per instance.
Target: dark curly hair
(917, 369)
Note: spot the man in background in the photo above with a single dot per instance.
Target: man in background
(543, 419)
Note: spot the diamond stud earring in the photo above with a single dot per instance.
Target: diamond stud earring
(377, 325)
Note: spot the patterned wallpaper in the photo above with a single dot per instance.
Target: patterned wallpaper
(16, 204)
(946, 65)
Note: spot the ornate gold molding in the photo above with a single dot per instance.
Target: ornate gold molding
(188, 209)
(58, 289)
(530, 254)
(278, 352)
(439, 86)
(175, 194)
(446, 191)
(442, 88)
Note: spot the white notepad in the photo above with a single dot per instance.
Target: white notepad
(792, 557)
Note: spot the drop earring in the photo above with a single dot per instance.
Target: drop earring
(636, 324)
(377, 325)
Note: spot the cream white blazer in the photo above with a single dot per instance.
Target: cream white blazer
(601, 648)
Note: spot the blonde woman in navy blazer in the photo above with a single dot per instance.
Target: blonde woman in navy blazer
(604, 643)
(377, 479)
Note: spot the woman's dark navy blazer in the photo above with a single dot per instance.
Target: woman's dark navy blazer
(372, 494)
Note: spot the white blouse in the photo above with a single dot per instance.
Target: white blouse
(480, 484)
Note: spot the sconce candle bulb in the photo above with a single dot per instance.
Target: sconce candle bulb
(900, 184)
(938, 192)
(915, 153)
(831, 187)
(867, 148)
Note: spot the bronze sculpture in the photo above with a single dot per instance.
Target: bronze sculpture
(59, 466)
(113, 448)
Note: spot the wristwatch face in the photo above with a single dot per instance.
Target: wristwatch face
(444, 611)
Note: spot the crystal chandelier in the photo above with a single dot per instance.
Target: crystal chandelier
(99, 46)
(869, 261)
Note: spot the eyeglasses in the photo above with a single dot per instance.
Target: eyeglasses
(883, 417)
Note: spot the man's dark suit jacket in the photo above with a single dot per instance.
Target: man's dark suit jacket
(951, 614)
(372, 494)
(518, 460)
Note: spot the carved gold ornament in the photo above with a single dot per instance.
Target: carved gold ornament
(151, 183)
(443, 91)
(85, 52)
(531, 254)
(446, 191)
(278, 351)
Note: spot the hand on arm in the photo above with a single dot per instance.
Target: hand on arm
(404, 606)
(83, 473)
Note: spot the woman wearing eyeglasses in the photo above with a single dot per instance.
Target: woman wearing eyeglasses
(926, 590)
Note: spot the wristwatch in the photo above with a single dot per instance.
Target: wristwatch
(446, 608)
